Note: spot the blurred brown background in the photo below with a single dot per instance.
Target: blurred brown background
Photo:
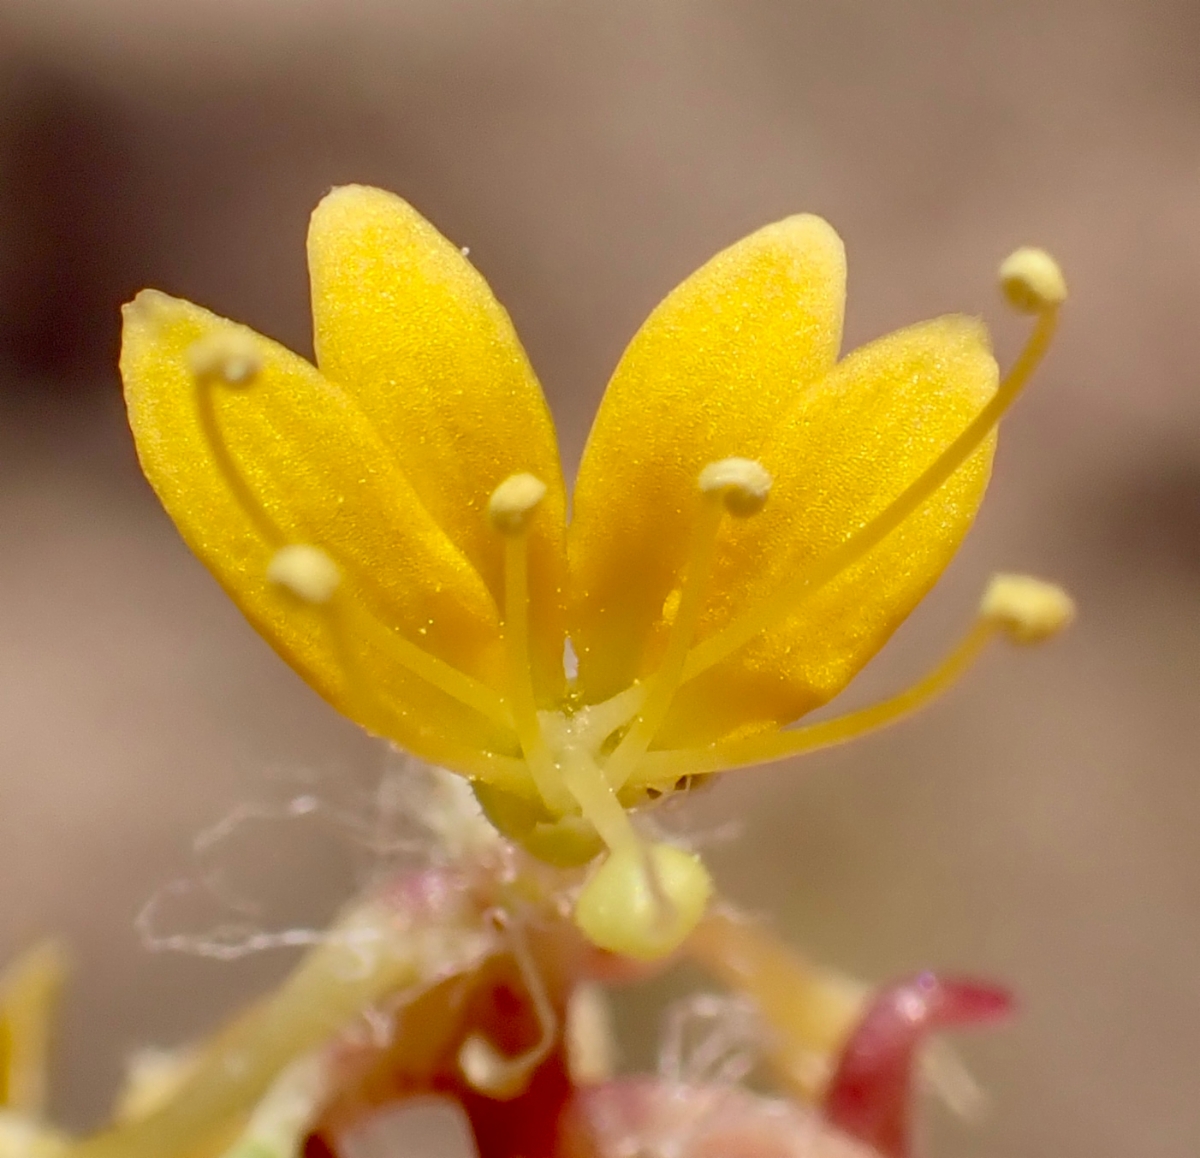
(1039, 825)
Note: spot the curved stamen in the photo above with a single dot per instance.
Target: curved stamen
(487, 1069)
(1029, 281)
(232, 360)
(760, 749)
(1024, 609)
(227, 359)
(740, 487)
(349, 624)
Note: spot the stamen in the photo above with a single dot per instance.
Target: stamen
(307, 572)
(663, 767)
(231, 358)
(740, 487)
(510, 508)
(1029, 610)
(1026, 610)
(310, 575)
(1030, 282)
(742, 484)
(213, 361)
(483, 1065)
(513, 502)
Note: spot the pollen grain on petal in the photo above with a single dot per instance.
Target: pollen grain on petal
(1032, 280)
(306, 572)
(1028, 610)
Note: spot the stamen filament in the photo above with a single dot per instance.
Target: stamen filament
(504, 772)
(435, 671)
(725, 642)
(206, 388)
(663, 683)
(520, 678)
(659, 768)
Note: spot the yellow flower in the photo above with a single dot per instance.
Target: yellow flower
(751, 521)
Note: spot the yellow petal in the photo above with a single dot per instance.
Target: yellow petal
(321, 476)
(706, 378)
(29, 994)
(841, 455)
(411, 330)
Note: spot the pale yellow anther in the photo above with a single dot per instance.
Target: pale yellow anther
(307, 572)
(1032, 280)
(489, 1072)
(625, 909)
(513, 501)
(1028, 610)
(231, 358)
(741, 483)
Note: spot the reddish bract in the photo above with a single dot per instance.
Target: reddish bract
(870, 1096)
